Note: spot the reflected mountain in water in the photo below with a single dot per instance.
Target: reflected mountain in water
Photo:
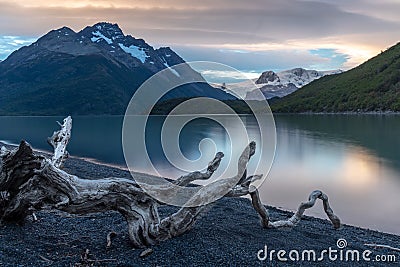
(377, 133)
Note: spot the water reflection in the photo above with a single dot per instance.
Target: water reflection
(379, 134)
(192, 145)
(363, 186)
(354, 159)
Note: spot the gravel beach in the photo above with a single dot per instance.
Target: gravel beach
(229, 234)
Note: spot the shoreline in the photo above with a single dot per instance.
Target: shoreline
(388, 112)
(229, 233)
(87, 159)
(380, 113)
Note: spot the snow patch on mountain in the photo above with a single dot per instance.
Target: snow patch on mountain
(172, 70)
(169, 67)
(98, 35)
(135, 51)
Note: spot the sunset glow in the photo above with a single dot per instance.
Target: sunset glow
(268, 34)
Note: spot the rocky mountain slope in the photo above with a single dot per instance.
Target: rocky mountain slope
(93, 71)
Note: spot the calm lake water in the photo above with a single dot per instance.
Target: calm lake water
(355, 159)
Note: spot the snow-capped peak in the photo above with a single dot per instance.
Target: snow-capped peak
(105, 31)
(277, 84)
(108, 40)
(109, 30)
(298, 77)
(111, 38)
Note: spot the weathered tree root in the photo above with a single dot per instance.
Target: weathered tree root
(30, 182)
(295, 219)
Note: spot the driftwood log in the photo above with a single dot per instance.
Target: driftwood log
(30, 181)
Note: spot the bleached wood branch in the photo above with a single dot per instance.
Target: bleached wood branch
(193, 176)
(59, 141)
(295, 219)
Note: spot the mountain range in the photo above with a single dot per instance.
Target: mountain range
(276, 84)
(98, 69)
(371, 86)
(93, 71)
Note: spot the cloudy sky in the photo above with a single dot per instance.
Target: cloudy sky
(250, 35)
